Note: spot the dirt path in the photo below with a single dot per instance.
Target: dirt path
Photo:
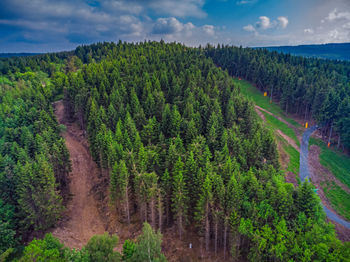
(81, 219)
(290, 141)
(279, 118)
(258, 111)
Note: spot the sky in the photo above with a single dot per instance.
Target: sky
(56, 25)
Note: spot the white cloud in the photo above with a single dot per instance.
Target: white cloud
(346, 26)
(167, 26)
(283, 21)
(245, 2)
(335, 15)
(264, 23)
(171, 29)
(209, 29)
(179, 8)
(308, 30)
(249, 28)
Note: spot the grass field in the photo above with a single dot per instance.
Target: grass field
(294, 158)
(340, 200)
(253, 93)
(334, 161)
(275, 124)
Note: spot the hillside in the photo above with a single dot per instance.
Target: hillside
(337, 51)
(154, 137)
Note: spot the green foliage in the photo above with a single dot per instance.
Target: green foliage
(148, 246)
(47, 249)
(100, 248)
(41, 208)
(165, 122)
(76, 255)
(129, 248)
(5, 255)
(34, 162)
(179, 199)
(7, 227)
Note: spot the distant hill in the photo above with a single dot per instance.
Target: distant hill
(17, 54)
(340, 51)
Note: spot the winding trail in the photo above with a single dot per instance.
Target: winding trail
(81, 220)
(304, 173)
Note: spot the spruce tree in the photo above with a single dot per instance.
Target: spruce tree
(179, 198)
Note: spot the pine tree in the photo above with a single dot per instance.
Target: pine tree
(179, 197)
(148, 246)
(217, 210)
(120, 188)
(166, 185)
(204, 206)
(39, 202)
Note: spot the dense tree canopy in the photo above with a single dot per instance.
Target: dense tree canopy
(170, 129)
(34, 161)
(178, 144)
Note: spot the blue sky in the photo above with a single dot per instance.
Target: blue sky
(54, 25)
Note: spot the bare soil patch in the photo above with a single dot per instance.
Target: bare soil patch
(319, 172)
(81, 219)
(288, 139)
(257, 110)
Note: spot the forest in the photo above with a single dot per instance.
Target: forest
(308, 87)
(180, 148)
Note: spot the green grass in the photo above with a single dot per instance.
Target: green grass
(275, 124)
(294, 156)
(340, 200)
(253, 93)
(334, 161)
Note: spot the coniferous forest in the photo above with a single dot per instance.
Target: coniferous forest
(308, 87)
(179, 146)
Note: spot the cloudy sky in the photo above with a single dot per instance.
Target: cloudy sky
(54, 25)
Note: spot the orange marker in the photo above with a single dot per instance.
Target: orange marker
(329, 144)
(265, 93)
(306, 124)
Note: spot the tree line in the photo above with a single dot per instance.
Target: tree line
(100, 248)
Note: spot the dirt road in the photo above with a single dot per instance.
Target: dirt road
(81, 220)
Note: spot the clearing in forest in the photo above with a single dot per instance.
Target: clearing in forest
(330, 169)
(81, 220)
